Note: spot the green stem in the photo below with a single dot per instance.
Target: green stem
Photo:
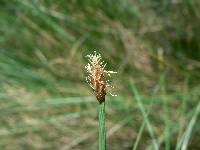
(102, 131)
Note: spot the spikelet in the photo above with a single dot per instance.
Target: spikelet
(97, 76)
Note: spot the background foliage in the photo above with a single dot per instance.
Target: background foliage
(44, 100)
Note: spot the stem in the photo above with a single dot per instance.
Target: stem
(102, 131)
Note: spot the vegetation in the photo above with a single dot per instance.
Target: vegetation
(154, 46)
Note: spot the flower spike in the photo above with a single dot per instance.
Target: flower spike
(97, 76)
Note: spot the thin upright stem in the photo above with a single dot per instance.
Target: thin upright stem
(102, 131)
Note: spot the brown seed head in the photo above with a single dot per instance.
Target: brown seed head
(97, 76)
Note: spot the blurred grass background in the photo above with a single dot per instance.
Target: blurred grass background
(154, 46)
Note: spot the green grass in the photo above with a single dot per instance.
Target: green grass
(145, 115)
(44, 100)
(102, 129)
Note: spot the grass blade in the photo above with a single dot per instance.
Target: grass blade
(188, 132)
(139, 136)
(144, 113)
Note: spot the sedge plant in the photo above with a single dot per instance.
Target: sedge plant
(97, 79)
